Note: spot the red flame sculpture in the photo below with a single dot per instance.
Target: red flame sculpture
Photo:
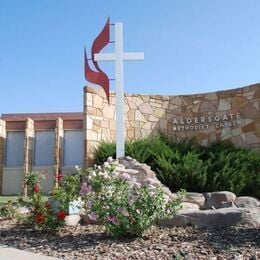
(98, 77)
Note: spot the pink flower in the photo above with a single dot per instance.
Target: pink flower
(137, 185)
(93, 216)
(89, 204)
(85, 189)
(125, 176)
(113, 220)
(124, 212)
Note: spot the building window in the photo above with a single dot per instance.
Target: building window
(14, 156)
(44, 148)
(73, 148)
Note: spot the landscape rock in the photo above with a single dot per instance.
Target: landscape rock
(247, 202)
(142, 172)
(210, 210)
(250, 217)
(195, 197)
(72, 220)
(187, 206)
(219, 199)
(23, 210)
(224, 217)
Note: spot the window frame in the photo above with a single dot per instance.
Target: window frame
(34, 148)
(6, 149)
(64, 152)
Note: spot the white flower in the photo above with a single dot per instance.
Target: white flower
(104, 174)
(93, 174)
(152, 193)
(106, 164)
(110, 159)
(166, 197)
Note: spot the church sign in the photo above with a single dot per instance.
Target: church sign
(204, 122)
(231, 115)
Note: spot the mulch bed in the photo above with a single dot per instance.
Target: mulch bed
(91, 242)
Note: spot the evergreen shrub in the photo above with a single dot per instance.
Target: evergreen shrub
(187, 165)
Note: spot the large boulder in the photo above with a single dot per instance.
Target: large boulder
(223, 217)
(247, 202)
(187, 206)
(142, 170)
(142, 173)
(194, 197)
(219, 199)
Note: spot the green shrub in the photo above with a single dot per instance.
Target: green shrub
(185, 164)
(140, 150)
(66, 192)
(7, 210)
(105, 150)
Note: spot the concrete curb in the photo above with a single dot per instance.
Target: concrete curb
(7, 252)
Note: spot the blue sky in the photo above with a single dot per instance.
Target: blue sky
(190, 46)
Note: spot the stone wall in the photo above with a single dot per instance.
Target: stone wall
(224, 115)
(28, 149)
(99, 120)
(58, 148)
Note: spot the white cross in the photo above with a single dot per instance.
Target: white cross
(119, 56)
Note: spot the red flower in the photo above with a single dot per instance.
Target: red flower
(36, 188)
(39, 218)
(61, 214)
(60, 176)
(48, 205)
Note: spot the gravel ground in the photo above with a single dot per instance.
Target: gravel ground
(91, 242)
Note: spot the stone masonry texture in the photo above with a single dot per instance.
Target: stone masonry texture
(232, 115)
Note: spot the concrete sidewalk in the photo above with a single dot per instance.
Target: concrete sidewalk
(7, 253)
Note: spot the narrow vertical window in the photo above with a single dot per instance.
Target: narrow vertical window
(73, 148)
(44, 148)
(14, 156)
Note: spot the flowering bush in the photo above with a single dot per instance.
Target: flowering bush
(46, 215)
(68, 190)
(7, 210)
(121, 203)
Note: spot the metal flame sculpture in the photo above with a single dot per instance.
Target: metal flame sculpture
(98, 77)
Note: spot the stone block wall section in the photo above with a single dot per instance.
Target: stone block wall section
(2, 146)
(58, 148)
(28, 149)
(224, 115)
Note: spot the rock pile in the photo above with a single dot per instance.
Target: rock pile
(211, 209)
